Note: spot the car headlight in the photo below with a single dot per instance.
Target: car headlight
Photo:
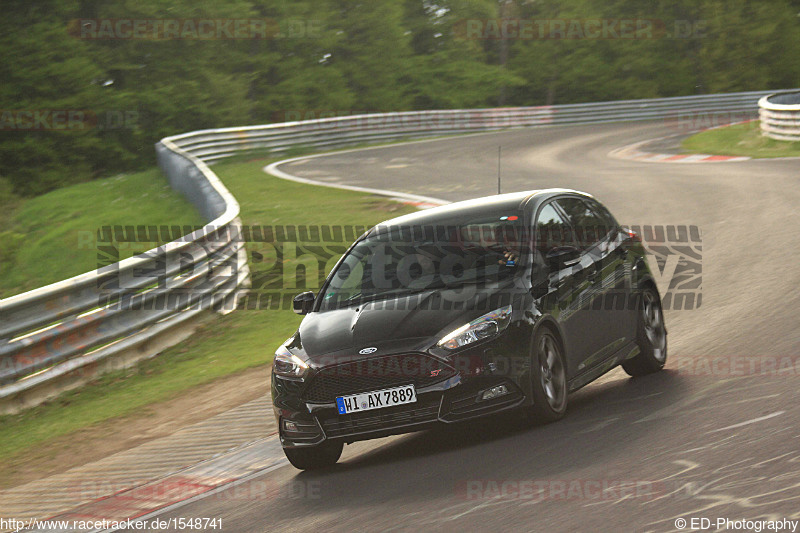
(483, 327)
(287, 364)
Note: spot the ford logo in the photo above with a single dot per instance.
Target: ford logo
(369, 350)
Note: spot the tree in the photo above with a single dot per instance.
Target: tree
(449, 69)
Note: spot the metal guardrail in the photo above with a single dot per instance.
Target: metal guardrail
(212, 145)
(50, 335)
(62, 333)
(780, 116)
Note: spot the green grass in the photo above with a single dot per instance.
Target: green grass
(51, 237)
(740, 140)
(228, 344)
(225, 346)
(266, 200)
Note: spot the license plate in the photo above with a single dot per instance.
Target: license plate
(366, 401)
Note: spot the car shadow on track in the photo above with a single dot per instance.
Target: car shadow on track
(602, 426)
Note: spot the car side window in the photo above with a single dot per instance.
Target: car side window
(552, 231)
(605, 214)
(590, 226)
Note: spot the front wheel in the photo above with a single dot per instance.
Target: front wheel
(313, 457)
(548, 379)
(651, 336)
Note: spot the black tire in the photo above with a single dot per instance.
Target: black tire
(548, 378)
(651, 336)
(313, 457)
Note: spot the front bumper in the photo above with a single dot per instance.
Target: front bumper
(451, 400)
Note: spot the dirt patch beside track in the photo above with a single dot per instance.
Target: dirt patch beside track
(119, 434)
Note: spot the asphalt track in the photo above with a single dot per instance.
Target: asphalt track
(716, 438)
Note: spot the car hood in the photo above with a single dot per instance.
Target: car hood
(407, 323)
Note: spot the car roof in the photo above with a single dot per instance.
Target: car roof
(501, 203)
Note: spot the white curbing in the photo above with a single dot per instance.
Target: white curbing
(421, 201)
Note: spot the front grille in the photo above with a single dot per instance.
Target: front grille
(391, 417)
(376, 373)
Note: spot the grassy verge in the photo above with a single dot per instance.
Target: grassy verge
(740, 140)
(51, 237)
(227, 345)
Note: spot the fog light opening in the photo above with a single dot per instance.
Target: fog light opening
(288, 425)
(494, 392)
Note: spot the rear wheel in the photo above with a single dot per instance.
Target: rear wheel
(651, 337)
(312, 457)
(548, 378)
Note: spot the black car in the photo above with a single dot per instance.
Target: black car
(505, 302)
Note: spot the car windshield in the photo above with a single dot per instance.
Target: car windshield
(400, 260)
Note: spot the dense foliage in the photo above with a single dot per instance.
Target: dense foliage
(325, 57)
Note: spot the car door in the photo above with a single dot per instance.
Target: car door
(561, 281)
(616, 262)
(605, 327)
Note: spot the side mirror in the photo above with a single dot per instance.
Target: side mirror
(562, 256)
(303, 303)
